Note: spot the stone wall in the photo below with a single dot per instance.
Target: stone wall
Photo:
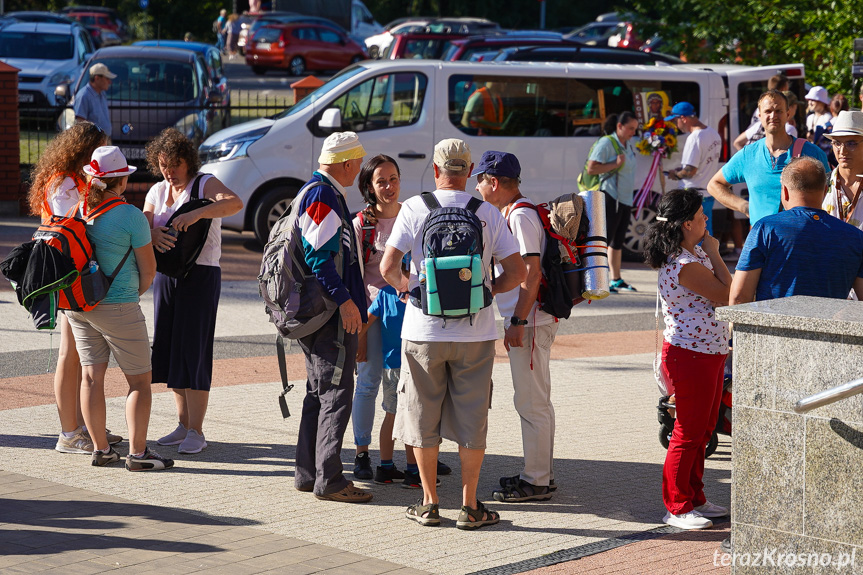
(797, 480)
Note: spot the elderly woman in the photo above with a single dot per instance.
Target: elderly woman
(693, 280)
(185, 308)
(121, 246)
(58, 184)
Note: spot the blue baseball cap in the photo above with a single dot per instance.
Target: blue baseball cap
(499, 164)
(681, 109)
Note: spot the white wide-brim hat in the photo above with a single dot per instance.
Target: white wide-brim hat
(847, 124)
(108, 162)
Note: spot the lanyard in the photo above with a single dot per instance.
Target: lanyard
(845, 216)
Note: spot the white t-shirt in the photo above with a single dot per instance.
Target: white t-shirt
(701, 150)
(815, 120)
(158, 196)
(63, 197)
(690, 319)
(407, 237)
(527, 229)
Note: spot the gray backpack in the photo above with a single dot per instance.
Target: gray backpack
(297, 303)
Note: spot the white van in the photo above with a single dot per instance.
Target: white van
(553, 114)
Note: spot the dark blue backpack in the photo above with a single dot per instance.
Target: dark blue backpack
(451, 271)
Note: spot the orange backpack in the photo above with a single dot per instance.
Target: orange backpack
(68, 235)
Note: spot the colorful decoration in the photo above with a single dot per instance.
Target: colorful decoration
(659, 139)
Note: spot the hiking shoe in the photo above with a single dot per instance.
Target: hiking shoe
(522, 491)
(349, 494)
(412, 481)
(387, 475)
(100, 458)
(425, 515)
(113, 438)
(712, 510)
(619, 285)
(473, 518)
(506, 481)
(443, 468)
(194, 443)
(78, 443)
(363, 466)
(176, 437)
(150, 461)
(690, 520)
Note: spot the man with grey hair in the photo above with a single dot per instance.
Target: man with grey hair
(91, 103)
(445, 386)
(802, 250)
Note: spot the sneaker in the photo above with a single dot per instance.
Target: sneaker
(78, 443)
(113, 438)
(194, 443)
(150, 461)
(443, 468)
(619, 285)
(176, 437)
(100, 458)
(712, 510)
(412, 481)
(691, 520)
(387, 475)
(363, 466)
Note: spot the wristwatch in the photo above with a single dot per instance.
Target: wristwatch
(515, 321)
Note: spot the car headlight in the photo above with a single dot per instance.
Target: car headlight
(60, 78)
(230, 148)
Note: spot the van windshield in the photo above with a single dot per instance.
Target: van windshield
(331, 84)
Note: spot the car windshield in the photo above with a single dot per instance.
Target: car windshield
(36, 46)
(332, 84)
(150, 80)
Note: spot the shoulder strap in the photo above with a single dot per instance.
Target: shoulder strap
(473, 204)
(283, 370)
(105, 206)
(430, 201)
(797, 147)
(195, 185)
(119, 266)
(614, 143)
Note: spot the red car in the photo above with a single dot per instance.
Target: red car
(426, 45)
(98, 19)
(301, 47)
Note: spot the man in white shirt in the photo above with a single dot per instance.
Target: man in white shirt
(700, 155)
(529, 332)
(445, 385)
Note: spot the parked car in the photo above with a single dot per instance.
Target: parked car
(118, 25)
(155, 88)
(625, 36)
(259, 20)
(377, 45)
(593, 54)
(212, 60)
(424, 45)
(596, 33)
(50, 58)
(301, 47)
(37, 16)
(553, 115)
(480, 48)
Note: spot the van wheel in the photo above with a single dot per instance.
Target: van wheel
(636, 234)
(297, 66)
(259, 70)
(270, 209)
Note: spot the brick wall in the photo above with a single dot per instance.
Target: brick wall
(10, 153)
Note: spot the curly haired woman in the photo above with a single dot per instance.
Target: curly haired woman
(57, 185)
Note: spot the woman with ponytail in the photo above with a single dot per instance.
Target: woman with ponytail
(693, 280)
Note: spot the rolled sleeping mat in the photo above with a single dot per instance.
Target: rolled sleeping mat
(595, 256)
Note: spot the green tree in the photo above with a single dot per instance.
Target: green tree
(817, 33)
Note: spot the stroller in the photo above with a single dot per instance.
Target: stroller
(666, 407)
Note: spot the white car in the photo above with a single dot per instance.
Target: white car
(50, 57)
(377, 44)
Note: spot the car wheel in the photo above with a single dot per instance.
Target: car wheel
(259, 70)
(297, 66)
(271, 207)
(636, 234)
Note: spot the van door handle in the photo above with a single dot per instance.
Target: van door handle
(412, 156)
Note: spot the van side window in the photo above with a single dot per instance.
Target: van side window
(386, 101)
(506, 106)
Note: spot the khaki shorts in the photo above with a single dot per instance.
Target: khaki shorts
(444, 392)
(112, 328)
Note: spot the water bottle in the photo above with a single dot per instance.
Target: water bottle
(94, 267)
(172, 232)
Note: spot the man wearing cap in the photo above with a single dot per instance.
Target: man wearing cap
(700, 155)
(528, 331)
(819, 103)
(802, 250)
(445, 386)
(91, 104)
(759, 165)
(326, 229)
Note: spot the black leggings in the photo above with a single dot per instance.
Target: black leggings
(617, 218)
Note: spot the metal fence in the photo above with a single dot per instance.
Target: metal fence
(133, 125)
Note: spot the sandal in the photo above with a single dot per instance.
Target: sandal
(522, 491)
(426, 515)
(349, 494)
(467, 519)
(507, 481)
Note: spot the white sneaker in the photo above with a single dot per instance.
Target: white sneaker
(712, 510)
(194, 443)
(176, 437)
(691, 520)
